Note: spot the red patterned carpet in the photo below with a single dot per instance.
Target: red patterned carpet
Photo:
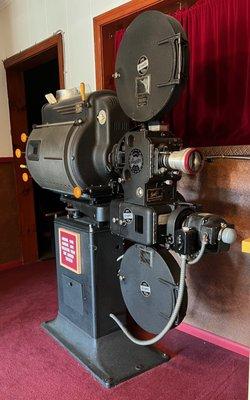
(33, 366)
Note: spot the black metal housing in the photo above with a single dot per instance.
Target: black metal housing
(149, 285)
(83, 325)
(151, 65)
(74, 152)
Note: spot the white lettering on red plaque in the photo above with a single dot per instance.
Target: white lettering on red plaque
(69, 250)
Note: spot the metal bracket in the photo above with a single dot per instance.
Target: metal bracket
(177, 42)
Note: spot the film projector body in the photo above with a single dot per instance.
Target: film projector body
(116, 166)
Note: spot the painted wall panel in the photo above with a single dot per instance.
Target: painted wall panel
(26, 22)
(37, 21)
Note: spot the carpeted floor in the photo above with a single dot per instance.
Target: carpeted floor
(33, 366)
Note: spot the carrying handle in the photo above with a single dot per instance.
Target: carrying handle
(176, 42)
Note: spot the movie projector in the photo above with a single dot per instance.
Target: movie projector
(117, 166)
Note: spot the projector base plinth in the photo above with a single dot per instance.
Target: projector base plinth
(111, 358)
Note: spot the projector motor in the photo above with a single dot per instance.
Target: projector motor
(117, 166)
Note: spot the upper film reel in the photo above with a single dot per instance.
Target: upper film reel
(151, 65)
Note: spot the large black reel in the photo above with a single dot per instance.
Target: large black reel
(149, 279)
(151, 65)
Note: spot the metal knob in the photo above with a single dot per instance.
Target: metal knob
(228, 235)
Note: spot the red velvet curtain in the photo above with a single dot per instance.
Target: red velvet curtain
(214, 108)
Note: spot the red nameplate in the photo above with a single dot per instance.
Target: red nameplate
(70, 250)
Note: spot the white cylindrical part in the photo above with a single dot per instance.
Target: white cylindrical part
(228, 235)
(65, 94)
(189, 160)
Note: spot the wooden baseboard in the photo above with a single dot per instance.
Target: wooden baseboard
(4, 160)
(10, 265)
(214, 339)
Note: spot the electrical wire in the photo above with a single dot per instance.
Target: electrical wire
(200, 254)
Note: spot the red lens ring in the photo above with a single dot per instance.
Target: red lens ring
(187, 155)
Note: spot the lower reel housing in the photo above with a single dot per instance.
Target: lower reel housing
(149, 278)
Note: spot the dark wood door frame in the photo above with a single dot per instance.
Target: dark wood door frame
(106, 24)
(15, 66)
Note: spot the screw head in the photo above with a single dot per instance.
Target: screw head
(102, 117)
(116, 75)
(139, 192)
(108, 381)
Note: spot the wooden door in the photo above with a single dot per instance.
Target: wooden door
(15, 66)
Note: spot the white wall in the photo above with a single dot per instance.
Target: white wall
(26, 22)
(5, 137)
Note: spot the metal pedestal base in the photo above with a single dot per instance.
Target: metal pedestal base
(111, 358)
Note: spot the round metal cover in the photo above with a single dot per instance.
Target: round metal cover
(151, 65)
(149, 286)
